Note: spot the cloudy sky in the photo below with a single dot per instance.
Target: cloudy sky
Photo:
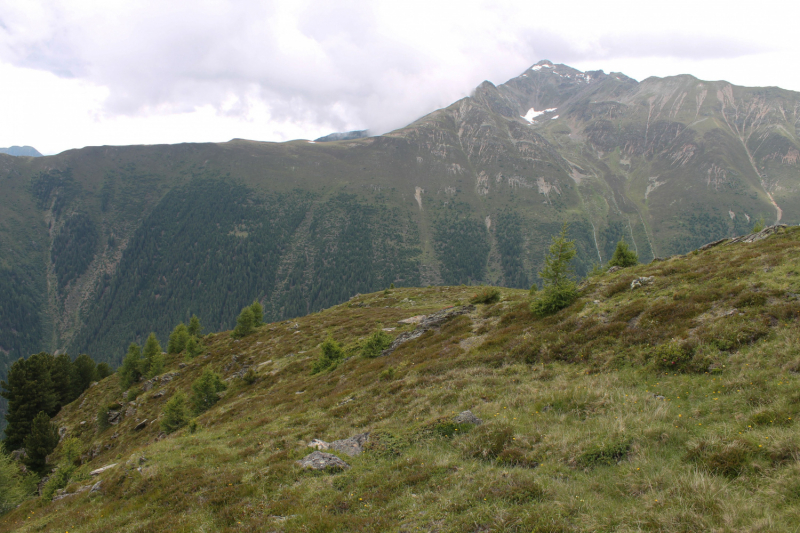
(81, 73)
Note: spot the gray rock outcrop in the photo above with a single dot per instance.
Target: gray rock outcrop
(322, 461)
(466, 417)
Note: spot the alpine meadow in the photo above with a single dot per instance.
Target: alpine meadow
(569, 302)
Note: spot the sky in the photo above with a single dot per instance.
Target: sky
(115, 72)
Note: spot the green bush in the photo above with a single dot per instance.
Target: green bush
(330, 357)
(387, 374)
(174, 415)
(102, 419)
(15, 486)
(672, 357)
(729, 459)
(488, 295)
(604, 454)
(623, 256)
(250, 376)
(193, 348)
(377, 342)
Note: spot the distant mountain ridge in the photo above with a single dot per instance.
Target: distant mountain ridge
(343, 136)
(102, 245)
(28, 151)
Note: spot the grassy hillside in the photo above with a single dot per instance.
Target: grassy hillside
(668, 407)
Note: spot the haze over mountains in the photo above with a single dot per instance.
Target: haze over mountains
(100, 246)
(29, 151)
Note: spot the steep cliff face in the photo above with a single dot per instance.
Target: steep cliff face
(102, 245)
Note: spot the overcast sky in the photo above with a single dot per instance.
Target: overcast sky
(84, 73)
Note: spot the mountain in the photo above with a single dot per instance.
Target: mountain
(664, 399)
(100, 246)
(343, 136)
(28, 151)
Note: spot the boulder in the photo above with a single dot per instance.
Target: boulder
(640, 282)
(613, 269)
(102, 469)
(113, 417)
(322, 461)
(352, 446)
(427, 323)
(466, 417)
(141, 425)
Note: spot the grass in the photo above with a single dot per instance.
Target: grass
(585, 426)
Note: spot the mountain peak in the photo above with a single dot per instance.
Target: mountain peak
(28, 151)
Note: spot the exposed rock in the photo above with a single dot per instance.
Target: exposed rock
(166, 378)
(130, 411)
(102, 469)
(141, 425)
(159, 394)
(62, 431)
(412, 320)
(352, 446)
(322, 461)
(755, 237)
(318, 444)
(613, 269)
(639, 282)
(428, 322)
(40, 486)
(96, 487)
(113, 417)
(466, 417)
(181, 365)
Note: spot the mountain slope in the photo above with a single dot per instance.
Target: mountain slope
(667, 407)
(109, 243)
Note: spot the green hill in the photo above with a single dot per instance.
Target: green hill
(664, 399)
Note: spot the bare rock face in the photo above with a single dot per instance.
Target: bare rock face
(322, 461)
(426, 323)
(466, 417)
(352, 446)
(114, 417)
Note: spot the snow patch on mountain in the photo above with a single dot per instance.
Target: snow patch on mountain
(532, 113)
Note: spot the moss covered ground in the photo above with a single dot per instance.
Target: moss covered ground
(671, 407)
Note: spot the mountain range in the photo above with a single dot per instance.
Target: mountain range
(101, 245)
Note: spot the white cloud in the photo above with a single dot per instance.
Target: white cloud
(90, 72)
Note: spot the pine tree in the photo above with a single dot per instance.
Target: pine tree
(29, 389)
(205, 390)
(40, 443)
(103, 371)
(329, 358)
(193, 348)
(131, 369)
(623, 256)
(258, 313)
(174, 414)
(194, 326)
(84, 373)
(61, 372)
(153, 362)
(244, 324)
(178, 339)
(559, 289)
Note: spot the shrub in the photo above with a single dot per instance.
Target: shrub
(14, 485)
(102, 419)
(385, 443)
(759, 225)
(623, 256)
(672, 357)
(133, 394)
(205, 390)
(554, 299)
(604, 454)
(178, 339)
(487, 441)
(244, 323)
(387, 375)
(488, 295)
(174, 415)
(517, 489)
(194, 328)
(250, 376)
(377, 342)
(330, 357)
(103, 371)
(193, 348)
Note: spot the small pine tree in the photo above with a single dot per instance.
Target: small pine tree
(153, 362)
(178, 339)
(131, 369)
(194, 326)
(103, 371)
(102, 419)
(376, 343)
(193, 348)
(329, 359)
(175, 415)
(258, 313)
(559, 289)
(40, 443)
(623, 256)
(759, 225)
(205, 390)
(244, 324)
